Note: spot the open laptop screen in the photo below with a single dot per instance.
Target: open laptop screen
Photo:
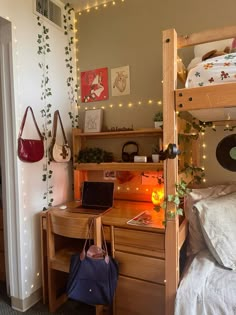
(97, 194)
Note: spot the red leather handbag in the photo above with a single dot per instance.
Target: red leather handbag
(30, 150)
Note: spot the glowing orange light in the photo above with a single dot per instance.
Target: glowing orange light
(158, 195)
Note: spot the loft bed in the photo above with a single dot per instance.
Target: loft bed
(200, 101)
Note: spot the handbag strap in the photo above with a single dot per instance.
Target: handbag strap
(23, 123)
(83, 253)
(54, 128)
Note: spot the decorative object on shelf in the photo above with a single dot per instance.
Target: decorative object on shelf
(93, 274)
(158, 119)
(129, 156)
(93, 120)
(109, 175)
(140, 159)
(94, 155)
(59, 152)
(155, 153)
(113, 129)
(120, 81)
(94, 85)
(30, 150)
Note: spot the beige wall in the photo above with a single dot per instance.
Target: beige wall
(130, 33)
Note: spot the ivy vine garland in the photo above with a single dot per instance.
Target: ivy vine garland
(71, 84)
(46, 93)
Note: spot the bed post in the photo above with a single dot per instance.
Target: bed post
(170, 166)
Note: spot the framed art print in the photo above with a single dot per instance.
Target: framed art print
(93, 120)
(94, 85)
(120, 81)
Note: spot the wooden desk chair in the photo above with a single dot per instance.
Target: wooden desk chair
(63, 228)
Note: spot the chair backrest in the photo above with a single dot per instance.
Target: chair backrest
(73, 225)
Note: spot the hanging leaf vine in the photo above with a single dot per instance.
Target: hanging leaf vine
(46, 93)
(70, 81)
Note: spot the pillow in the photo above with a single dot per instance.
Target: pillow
(217, 217)
(194, 62)
(196, 240)
(202, 49)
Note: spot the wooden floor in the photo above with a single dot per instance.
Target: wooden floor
(70, 308)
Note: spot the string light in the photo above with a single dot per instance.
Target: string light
(103, 5)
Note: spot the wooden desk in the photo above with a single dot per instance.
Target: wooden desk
(140, 251)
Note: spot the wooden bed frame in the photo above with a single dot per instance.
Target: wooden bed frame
(176, 100)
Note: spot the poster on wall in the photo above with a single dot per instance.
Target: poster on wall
(120, 81)
(94, 85)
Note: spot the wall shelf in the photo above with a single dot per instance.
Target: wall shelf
(117, 166)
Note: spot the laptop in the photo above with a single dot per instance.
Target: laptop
(97, 197)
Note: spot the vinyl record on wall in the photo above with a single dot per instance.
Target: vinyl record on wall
(226, 153)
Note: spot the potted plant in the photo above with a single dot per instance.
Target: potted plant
(158, 119)
(155, 153)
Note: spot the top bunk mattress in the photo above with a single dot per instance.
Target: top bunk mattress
(213, 71)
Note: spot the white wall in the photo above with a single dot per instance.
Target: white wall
(27, 91)
(130, 33)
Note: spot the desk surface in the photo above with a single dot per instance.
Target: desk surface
(121, 212)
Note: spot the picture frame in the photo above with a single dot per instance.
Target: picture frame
(93, 119)
(94, 85)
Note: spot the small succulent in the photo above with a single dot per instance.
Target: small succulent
(158, 116)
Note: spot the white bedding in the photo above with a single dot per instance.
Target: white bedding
(206, 288)
(212, 71)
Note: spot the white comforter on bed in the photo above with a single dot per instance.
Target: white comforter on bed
(206, 288)
(212, 71)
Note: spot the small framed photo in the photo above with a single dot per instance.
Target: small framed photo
(109, 175)
(93, 120)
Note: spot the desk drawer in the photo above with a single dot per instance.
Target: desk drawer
(139, 239)
(135, 297)
(141, 267)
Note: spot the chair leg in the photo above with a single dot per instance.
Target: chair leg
(99, 309)
(54, 302)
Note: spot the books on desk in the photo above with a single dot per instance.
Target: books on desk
(143, 218)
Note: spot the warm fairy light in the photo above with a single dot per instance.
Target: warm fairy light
(158, 195)
(159, 102)
(111, 105)
(139, 103)
(150, 102)
(203, 168)
(80, 13)
(147, 189)
(120, 105)
(104, 5)
(204, 180)
(88, 10)
(118, 188)
(137, 188)
(130, 105)
(204, 145)
(96, 8)
(202, 133)
(103, 107)
(113, 2)
(204, 156)
(227, 126)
